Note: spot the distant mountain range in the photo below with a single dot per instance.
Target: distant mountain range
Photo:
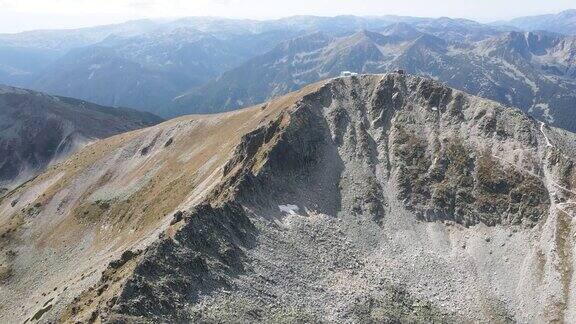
(563, 22)
(37, 130)
(147, 71)
(200, 65)
(535, 71)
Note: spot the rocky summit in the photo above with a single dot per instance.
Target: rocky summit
(364, 199)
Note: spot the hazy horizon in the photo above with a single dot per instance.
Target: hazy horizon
(25, 15)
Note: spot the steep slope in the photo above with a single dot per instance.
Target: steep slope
(377, 198)
(62, 228)
(533, 71)
(37, 130)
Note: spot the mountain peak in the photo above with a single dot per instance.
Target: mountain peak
(427, 41)
(235, 198)
(369, 35)
(524, 43)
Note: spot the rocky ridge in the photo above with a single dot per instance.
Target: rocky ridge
(374, 198)
(37, 130)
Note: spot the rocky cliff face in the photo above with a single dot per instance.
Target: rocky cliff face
(377, 198)
(37, 130)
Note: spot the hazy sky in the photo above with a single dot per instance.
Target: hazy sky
(18, 15)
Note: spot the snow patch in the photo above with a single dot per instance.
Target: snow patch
(289, 209)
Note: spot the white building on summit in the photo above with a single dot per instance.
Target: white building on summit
(347, 73)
